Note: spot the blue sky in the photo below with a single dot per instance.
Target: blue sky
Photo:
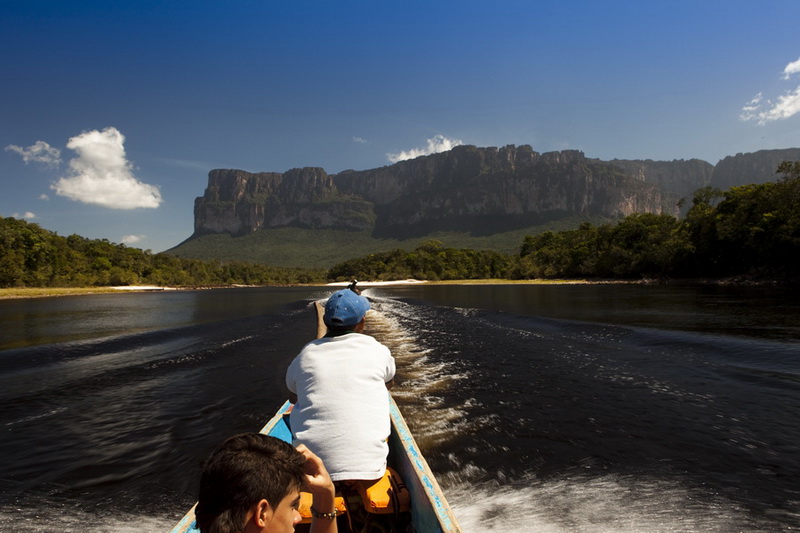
(112, 113)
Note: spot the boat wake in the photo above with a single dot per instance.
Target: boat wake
(604, 504)
(68, 519)
(421, 384)
(463, 386)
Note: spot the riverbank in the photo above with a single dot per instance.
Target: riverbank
(44, 292)
(48, 292)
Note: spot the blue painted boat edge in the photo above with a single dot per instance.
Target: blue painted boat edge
(187, 523)
(422, 474)
(276, 426)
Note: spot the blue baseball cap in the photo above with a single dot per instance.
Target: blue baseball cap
(345, 308)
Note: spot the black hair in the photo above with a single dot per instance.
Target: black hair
(242, 471)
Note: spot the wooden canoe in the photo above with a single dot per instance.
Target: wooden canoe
(430, 512)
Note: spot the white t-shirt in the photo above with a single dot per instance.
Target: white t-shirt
(342, 409)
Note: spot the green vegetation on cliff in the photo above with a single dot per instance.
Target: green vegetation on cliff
(324, 248)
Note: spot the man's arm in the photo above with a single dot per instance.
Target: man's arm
(319, 484)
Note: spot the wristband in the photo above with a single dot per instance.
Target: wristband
(326, 516)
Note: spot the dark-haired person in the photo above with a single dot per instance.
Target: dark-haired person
(339, 387)
(251, 484)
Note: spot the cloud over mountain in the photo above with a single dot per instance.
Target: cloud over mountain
(784, 106)
(132, 239)
(437, 144)
(100, 173)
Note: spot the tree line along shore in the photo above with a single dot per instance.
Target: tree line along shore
(749, 232)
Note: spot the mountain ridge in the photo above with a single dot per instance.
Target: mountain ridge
(467, 190)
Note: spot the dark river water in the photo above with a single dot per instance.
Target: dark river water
(546, 408)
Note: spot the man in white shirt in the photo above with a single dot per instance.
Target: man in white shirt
(339, 387)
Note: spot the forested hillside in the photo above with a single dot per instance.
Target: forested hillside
(31, 256)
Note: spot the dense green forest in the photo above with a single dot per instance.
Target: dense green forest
(752, 230)
(34, 257)
(430, 261)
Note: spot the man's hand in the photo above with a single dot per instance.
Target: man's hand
(318, 481)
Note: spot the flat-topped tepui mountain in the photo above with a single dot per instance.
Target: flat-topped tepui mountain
(478, 197)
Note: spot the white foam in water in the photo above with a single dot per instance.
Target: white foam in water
(236, 341)
(600, 504)
(422, 384)
(57, 518)
(587, 505)
(596, 505)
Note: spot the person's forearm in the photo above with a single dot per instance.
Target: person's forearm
(324, 511)
(320, 484)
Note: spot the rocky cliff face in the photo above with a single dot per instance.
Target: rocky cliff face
(239, 202)
(481, 190)
(494, 189)
(758, 167)
(678, 178)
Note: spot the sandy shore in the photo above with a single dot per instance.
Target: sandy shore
(42, 292)
(376, 283)
(45, 292)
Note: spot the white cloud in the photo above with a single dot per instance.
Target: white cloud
(100, 174)
(784, 106)
(44, 197)
(751, 110)
(132, 239)
(27, 215)
(359, 140)
(437, 144)
(40, 152)
(791, 68)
